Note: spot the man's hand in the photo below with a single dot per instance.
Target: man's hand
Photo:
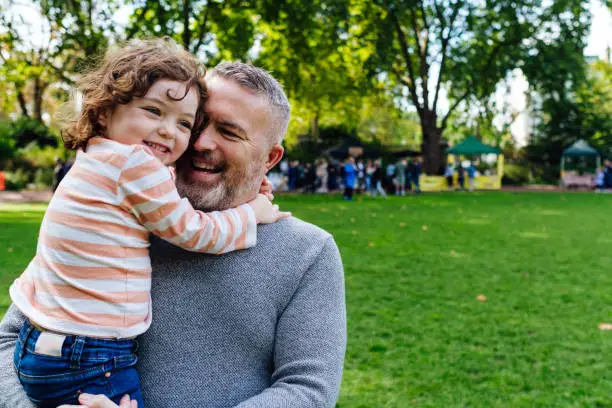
(266, 188)
(101, 401)
(265, 211)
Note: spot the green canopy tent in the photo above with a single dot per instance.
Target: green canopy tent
(580, 149)
(472, 147)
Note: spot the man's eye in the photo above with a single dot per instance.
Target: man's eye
(153, 110)
(228, 133)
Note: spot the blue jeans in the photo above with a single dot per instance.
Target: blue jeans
(86, 365)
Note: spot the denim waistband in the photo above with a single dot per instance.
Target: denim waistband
(85, 347)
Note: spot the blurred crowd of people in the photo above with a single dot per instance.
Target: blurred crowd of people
(349, 176)
(464, 171)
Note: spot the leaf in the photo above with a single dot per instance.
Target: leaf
(425, 227)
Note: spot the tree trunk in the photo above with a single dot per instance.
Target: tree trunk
(39, 90)
(315, 127)
(186, 29)
(22, 104)
(432, 147)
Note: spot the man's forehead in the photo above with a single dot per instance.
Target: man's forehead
(218, 84)
(228, 101)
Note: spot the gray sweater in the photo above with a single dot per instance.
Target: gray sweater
(263, 327)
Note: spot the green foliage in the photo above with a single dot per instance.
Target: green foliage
(7, 143)
(28, 150)
(38, 156)
(581, 109)
(26, 131)
(515, 175)
(307, 46)
(44, 178)
(17, 180)
(213, 30)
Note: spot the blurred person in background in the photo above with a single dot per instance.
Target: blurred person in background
(400, 178)
(321, 172)
(448, 174)
(350, 178)
(377, 180)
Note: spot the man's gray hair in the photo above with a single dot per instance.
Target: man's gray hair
(262, 83)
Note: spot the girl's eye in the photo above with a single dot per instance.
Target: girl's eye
(153, 110)
(185, 124)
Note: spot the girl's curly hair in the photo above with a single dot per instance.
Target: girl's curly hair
(127, 73)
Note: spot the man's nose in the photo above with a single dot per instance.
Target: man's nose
(205, 140)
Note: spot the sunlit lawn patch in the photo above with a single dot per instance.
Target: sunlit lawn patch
(485, 299)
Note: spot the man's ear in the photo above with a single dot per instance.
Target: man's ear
(274, 156)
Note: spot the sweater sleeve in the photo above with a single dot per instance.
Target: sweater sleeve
(12, 394)
(310, 340)
(146, 189)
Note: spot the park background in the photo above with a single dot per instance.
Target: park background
(454, 299)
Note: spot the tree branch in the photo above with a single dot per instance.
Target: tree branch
(496, 49)
(445, 41)
(202, 30)
(452, 108)
(22, 104)
(422, 45)
(404, 48)
(186, 29)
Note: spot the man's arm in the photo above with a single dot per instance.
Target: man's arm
(12, 394)
(310, 340)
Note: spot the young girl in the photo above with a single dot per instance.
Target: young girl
(86, 293)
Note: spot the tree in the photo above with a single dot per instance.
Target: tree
(571, 111)
(210, 29)
(462, 47)
(34, 59)
(305, 44)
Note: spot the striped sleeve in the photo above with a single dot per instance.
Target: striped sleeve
(147, 190)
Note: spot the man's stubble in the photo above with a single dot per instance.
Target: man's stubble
(237, 185)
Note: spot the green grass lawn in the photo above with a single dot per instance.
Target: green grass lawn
(414, 266)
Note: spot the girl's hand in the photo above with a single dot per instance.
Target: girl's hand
(101, 401)
(266, 188)
(265, 211)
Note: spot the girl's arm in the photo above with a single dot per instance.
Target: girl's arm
(147, 190)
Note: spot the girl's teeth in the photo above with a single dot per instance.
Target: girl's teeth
(157, 147)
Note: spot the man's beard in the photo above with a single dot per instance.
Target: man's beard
(234, 184)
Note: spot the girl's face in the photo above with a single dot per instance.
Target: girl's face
(156, 120)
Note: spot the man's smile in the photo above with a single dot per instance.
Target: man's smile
(204, 166)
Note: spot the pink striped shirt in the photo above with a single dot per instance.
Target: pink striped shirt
(91, 275)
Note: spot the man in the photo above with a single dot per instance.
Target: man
(263, 327)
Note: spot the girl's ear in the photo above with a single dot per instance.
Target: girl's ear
(103, 118)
